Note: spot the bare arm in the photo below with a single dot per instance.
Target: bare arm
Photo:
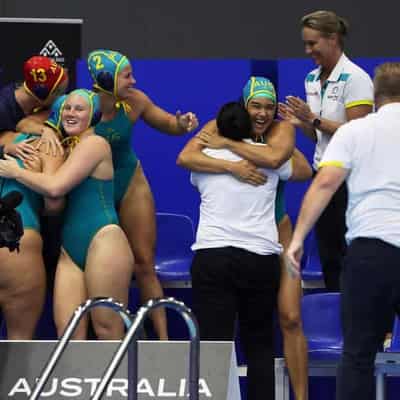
(287, 114)
(33, 123)
(280, 144)
(7, 137)
(79, 165)
(302, 111)
(30, 124)
(308, 130)
(319, 194)
(330, 127)
(162, 120)
(301, 167)
(280, 140)
(193, 158)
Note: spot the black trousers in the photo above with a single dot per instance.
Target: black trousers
(370, 294)
(230, 284)
(330, 230)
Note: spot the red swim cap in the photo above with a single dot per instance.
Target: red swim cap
(42, 76)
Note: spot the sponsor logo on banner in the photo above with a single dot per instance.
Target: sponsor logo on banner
(118, 388)
(51, 50)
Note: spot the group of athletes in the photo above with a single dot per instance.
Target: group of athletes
(70, 156)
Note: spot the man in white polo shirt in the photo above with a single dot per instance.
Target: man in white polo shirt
(365, 153)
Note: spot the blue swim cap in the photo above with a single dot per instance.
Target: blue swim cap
(57, 107)
(104, 66)
(258, 86)
(93, 100)
(54, 120)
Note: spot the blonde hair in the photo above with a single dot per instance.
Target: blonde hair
(327, 23)
(387, 81)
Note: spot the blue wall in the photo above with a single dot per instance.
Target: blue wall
(202, 86)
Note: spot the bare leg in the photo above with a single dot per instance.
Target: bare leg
(22, 286)
(108, 273)
(137, 215)
(69, 293)
(295, 344)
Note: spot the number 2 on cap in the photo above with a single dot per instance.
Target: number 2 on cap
(99, 64)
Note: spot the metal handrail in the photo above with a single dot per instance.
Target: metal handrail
(66, 337)
(194, 357)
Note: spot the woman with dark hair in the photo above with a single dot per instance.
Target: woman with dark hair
(259, 102)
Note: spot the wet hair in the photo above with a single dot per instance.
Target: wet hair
(233, 121)
(327, 23)
(387, 81)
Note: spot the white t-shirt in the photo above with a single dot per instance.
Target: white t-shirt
(369, 148)
(347, 86)
(234, 213)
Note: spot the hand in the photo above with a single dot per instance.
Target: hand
(9, 167)
(23, 150)
(35, 164)
(286, 113)
(50, 140)
(294, 254)
(187, 122)
(247, 172)
(290, 268)
(300, 109)
(212, 139)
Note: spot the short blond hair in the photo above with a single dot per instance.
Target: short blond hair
(327, 23)
(387, 81)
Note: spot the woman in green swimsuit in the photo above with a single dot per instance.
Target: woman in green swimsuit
(23, 276)
(122, 105)
(96, 259)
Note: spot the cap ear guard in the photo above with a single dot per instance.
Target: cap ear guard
(54, 119)
(41, 91)
(105, 80)
(96, 117)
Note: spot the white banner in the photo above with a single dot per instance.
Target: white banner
(163, 370)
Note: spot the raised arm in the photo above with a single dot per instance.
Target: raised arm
(287, 114)
(162, 120)
(193, 158)
(280, 140)
(301, 167)
(78, 166)
(303, 112)
(49, 139)
(315, 201)
(33, 123)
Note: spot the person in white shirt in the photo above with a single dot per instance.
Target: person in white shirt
(364, 153)
(259, 99)
(337, 91)
(236, 270)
